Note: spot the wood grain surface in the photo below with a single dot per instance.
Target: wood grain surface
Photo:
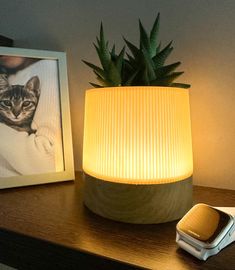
(48, 227)
(139, 204)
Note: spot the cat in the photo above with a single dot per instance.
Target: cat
(18, 103)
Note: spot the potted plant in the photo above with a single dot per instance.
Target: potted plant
(137, 154)
(145, 67)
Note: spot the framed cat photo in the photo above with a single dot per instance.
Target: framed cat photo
(35, 126)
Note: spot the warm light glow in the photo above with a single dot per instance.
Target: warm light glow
(139, 135)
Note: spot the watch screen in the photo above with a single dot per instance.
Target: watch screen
(203, 223)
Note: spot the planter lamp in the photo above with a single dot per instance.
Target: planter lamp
(137, 153)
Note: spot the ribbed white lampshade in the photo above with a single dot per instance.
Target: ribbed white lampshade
(137, 135)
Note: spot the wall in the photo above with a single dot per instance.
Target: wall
(204, 37)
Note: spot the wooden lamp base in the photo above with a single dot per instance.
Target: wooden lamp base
(140, 204)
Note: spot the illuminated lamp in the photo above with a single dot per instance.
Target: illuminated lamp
(137, 153)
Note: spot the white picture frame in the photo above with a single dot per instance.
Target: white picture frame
(46, 154)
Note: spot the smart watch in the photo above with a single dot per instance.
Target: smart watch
(205, 230)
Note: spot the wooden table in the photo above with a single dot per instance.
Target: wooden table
(48, 227)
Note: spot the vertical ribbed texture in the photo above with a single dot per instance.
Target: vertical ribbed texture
(139, 135)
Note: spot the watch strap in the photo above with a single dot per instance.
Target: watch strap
(228, 210)
(231, 234)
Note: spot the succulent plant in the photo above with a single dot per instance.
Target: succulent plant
(144, 66)
(112, 65)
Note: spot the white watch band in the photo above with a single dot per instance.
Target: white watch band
(228, 210)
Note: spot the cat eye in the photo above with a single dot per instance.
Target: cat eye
(26, 103)
(7, 103)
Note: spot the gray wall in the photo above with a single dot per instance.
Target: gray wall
(203, 32)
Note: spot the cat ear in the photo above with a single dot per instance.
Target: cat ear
(33, 84)
(3, 82)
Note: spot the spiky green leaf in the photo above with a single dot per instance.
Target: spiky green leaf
(119, 60)
(149, 65)
(131, 60)
(102, 57)
(144, 39)
(174, 75)
(95, 85)
(98, 41)
(113, 54)
(158, 48)
(98, 75)
(181, 85)
(114, 75)
(134, 50)
(103, 51)
(145, 77)
(154, 35)
(167, 80)
(160, 58)
(96, 69)
(127, 71)
(131, 79)
(165, 70)
(103, 82)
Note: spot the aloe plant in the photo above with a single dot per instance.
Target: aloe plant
(144, 65)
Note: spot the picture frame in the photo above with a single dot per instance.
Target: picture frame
(35, 125)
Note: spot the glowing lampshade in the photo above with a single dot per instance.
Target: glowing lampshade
(137, 137)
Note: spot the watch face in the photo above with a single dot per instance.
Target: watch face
(204, 223)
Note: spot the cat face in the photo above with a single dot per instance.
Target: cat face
(18, 102)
